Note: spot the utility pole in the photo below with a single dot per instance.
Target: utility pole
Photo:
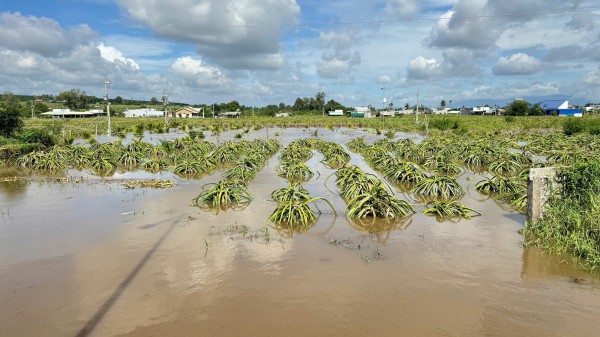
(107, 102)
(417, 113)
(32, 107)
(213, 109)
(202, 112)
(165, 99)
(384, 100)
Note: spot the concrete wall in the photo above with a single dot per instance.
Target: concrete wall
(540, 185)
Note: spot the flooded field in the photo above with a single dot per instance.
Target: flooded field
(85, 256)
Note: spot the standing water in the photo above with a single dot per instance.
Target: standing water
(88, 257)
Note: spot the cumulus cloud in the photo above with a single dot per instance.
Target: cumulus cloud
(535, 89)
(41, 35)
(338, 60)
(112, 54)
(481, 91)
(384, 79)
(402, 8)
(517, 64)
(478, 24)
(423, 68)
(233, 33)
(197, 72)
(38, 55)
(593, 78)
(463, 27)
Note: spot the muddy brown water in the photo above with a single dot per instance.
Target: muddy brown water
(96, 259)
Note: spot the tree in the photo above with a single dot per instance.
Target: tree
(40, 107)
(74, 99)
(406, 106)
(518, 108)
(319, 100)
(299, 104)
(443, 104)
(10, 119)
(154, 101)
(118, 100)
(333, 105)
(536, 110)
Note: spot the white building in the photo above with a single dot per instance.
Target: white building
(145, 112)
(337, 112)
(483, 110)
(67, 113)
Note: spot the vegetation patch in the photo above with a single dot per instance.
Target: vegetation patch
(570, 222)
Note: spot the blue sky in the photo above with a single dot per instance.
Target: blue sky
(262, 52)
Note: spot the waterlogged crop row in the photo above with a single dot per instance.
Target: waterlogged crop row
(247, 159)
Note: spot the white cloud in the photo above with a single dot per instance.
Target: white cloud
(535, 89)
(517, 64)
(593, 78)
(197, 72)
(234, 33)
(402, 8)
(111, 54)
(481, 91)
(384, 79)
(423, 68)
(338, 60)
(41, 35)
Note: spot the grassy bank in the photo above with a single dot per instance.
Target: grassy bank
(570, 224)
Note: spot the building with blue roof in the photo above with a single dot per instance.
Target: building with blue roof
(560, 107)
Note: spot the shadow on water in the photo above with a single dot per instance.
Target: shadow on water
(91, 324)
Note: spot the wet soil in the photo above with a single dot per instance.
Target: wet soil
(92, 258)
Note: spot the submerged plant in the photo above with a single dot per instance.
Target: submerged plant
(290, 193)
(438, 186)
(294, 170)
(296, 213)
(450, 209)
(378, 205)
(225, 193)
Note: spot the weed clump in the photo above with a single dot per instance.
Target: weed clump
(570, 223)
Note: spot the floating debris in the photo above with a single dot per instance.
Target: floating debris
(152, 183)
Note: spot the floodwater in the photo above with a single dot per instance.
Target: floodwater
(91, 258)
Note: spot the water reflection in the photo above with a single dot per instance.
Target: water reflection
(14, 189)
(540, 265)
(380, 229)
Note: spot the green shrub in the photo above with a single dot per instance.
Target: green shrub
(509, 119)
(35, 136)
(572, 126)
(443, 124)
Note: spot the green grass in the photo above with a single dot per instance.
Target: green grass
(570, 223)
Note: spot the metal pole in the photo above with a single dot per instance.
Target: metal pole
(106, 87)
(165, 102)
(417, 113)
(32, 107)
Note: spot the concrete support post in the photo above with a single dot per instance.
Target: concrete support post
(540, 185)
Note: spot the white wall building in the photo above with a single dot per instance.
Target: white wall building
(146, 112)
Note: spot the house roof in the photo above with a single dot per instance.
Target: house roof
(187, 110)
(552, 104)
